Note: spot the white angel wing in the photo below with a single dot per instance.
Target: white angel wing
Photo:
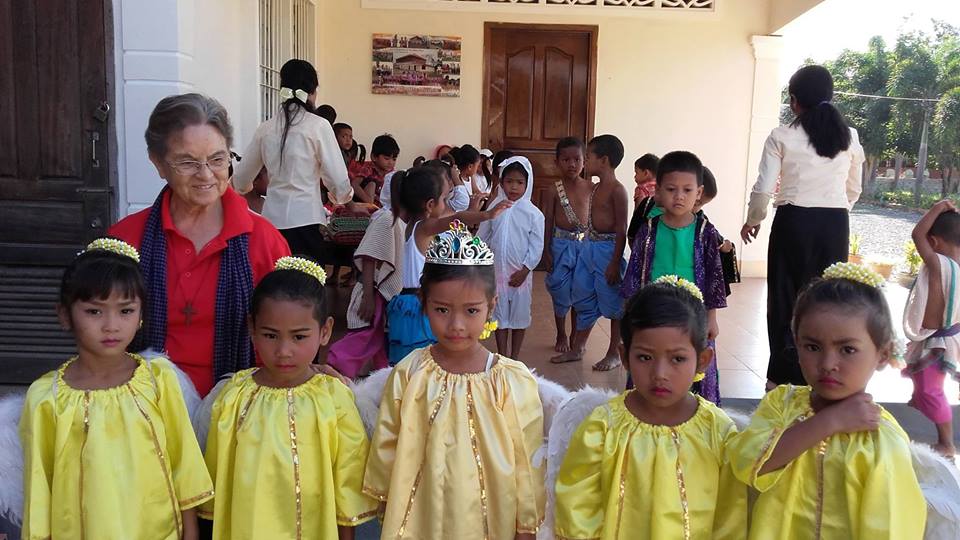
(565, 422)
(940, 483)
(200, 417)
(367, 394)
(11, 459)
(552, 396)
(190, 395)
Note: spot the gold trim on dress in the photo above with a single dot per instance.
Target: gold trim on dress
(623, 476)
(761, 459)
(163, 462)
(348, 522)
(246, 406)
(294, 451)
(416, 480)
(476, 456)
(83, 446)
(821, 452)
(201, 497)
(685, 509)
(382, 497)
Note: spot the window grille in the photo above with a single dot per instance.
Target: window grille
(287, 30)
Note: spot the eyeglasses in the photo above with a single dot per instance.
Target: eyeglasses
(189, 167)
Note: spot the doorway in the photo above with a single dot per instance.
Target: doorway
(55, 186)
(539, 86)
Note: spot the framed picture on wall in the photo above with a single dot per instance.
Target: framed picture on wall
(416, 65)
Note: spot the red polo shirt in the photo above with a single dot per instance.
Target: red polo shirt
(192, 277)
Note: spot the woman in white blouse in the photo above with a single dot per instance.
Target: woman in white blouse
(300, 152)
(811, 170)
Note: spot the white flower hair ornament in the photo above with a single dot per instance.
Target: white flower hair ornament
(681, 283)
(853, 272)
(302, 265)
(114, 245)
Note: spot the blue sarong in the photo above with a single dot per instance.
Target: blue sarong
(409, 328)
(593, 297)
(559, 282)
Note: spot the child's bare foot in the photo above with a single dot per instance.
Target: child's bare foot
(569, 356)
(563, 343)
(608, 362)
(946, 450)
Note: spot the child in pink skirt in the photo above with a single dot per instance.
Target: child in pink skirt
(931, 319)
(379, 259)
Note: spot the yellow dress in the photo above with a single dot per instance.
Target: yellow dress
(851, 486)
(110, 464)
(623, 478)
(287, 462)
(452, 454)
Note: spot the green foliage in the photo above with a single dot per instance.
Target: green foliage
(912, 257)
(854, 244)
(914, 74)
(920, 65)
(905, 198)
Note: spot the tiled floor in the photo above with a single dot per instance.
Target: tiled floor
(742, 347)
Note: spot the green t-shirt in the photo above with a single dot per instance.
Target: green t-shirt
(673, 252)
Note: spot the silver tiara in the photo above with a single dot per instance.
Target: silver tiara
(457, 247)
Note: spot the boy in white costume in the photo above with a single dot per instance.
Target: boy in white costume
(516, 238)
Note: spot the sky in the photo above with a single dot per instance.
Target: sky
(834, 25)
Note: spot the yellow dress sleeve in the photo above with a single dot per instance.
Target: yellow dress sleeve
(524, 414)
(730, 517)
(751, 448)
(38, 425)
(892, 505)
(383, 447)
(353, 507)
(191, 480)
(580, 497)
(217, 440)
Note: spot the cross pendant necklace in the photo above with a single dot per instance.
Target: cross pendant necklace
(188, 312)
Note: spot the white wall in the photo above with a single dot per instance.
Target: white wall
(165, 47)
(663, 84)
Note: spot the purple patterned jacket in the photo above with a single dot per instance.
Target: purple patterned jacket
(706, 262)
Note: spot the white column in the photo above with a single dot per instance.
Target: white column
(764, 116)
(153, 52)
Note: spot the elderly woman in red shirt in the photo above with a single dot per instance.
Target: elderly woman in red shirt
(201, 250)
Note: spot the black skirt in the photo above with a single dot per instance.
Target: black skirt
(803, 243)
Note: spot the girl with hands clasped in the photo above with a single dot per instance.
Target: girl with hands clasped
(829, 462)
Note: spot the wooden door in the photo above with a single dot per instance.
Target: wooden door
(55, 193)
(539, 86)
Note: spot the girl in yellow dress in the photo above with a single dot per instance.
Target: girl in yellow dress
(109, 451)
(286, 445)
(829, 462)
(649, 464)
(453, 449)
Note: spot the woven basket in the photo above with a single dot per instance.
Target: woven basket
(347, 227)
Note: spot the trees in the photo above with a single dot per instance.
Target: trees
(913, 74)
(921, 66)
(864, 73)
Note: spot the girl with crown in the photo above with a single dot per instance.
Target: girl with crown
(453, 450)
(108, 448)
(829, 462)
(286, 446)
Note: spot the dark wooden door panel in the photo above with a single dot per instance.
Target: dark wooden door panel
(55, 192)
(539, 87)
(54, 186)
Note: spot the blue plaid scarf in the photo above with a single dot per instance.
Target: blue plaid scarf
(232, 350)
